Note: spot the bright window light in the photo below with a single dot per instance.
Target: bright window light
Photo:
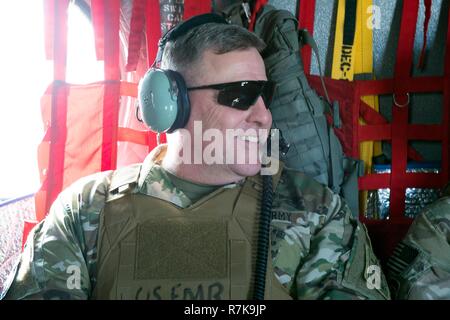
(25, 74)
(82, 64)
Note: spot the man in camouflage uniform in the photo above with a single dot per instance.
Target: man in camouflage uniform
(99, 242)
(420, 265)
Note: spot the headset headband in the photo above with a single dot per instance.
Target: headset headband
(183, 28)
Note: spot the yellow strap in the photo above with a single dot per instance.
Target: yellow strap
(364, 64)
(343, 56)
(363, 39)
(361, 62)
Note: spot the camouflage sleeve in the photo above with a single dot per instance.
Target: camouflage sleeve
(336, 260)
(419, 268)
(341, 263)
(59, 258)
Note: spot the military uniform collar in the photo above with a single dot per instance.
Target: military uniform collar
(154, 180)
(153, 158)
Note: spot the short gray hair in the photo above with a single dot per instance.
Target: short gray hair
(184, 53)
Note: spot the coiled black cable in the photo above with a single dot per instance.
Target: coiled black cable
(263, 238)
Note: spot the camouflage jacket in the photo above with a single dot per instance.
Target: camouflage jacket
(420, 265)
(319, 251)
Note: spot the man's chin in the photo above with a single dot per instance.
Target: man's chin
(246, 170)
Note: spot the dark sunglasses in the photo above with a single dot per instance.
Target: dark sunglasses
(242, 94)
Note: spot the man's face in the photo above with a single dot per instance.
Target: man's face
(233, 66)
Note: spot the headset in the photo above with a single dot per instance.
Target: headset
(163, 95)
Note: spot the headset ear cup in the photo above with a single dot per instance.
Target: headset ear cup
(184, 106)
(164, 101)
(163, 96)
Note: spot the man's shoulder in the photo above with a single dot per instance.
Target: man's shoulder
(92, 191)
(303, 181)
(432, 224)
(431, 229)
(302, 192)
(420, 266)
(439, 211)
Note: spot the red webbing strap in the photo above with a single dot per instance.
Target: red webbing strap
(427, 4)
(372, 117)
(153, 29)
(112, 85)
(43, 157)
(60, 40)
(111, 33)
(129, 89)
(399, 126)
(51, 149)
(98, 21)
(52, 186)
(374, 132)
(49, 23)
(306, 21)
(196, 7)
(411, 180)
(110, 123)
(27, 226)
(446, 109)
(422, 180)
(53, 183)
(374, 181)
(355, 119)
(133, 135)
(386, 86)
(426, 132)
(259, 4)
(136, 35)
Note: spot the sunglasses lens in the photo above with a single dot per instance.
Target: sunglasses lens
(267, 94)
(243, 95)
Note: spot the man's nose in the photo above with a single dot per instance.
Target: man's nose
(260, 114)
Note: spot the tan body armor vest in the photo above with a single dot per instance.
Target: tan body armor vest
(149, 248)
